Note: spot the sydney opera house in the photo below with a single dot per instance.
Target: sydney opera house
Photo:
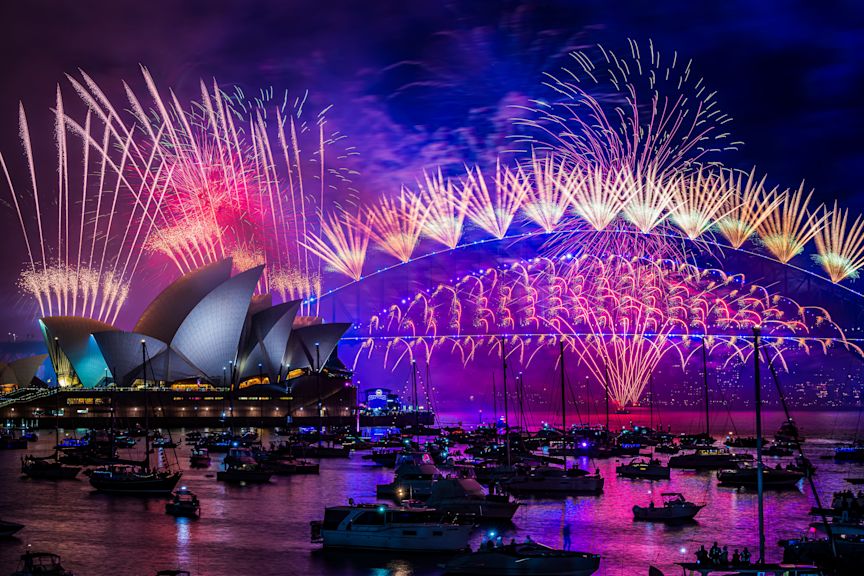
(206, 337)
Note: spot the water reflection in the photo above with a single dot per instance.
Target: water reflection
(265, 529)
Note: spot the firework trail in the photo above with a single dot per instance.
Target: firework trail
(621, 316)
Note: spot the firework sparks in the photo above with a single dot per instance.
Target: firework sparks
(841, 247)
(700, 199)
(342, 244)
(548, 195)
(495, 212)
(396, 224)
(788, 228)
(445, 209)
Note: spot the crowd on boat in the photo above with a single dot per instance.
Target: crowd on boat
(719, 556)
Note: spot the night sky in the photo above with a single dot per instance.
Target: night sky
(415, 84)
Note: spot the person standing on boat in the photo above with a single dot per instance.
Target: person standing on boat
(565, 533)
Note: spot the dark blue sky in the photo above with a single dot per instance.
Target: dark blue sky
(790, 73)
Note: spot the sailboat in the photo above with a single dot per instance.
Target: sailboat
(760, 566)
(49, 467)
(136, 478)
(548, 480)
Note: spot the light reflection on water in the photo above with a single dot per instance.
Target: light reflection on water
(265, 529)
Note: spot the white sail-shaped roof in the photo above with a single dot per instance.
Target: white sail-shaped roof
(73, 337)
(209, 336)
(166, 313)
(267, 339)
(301, 349)
(24, 369)
(123, 354)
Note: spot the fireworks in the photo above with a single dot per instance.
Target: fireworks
(395, 224)
(699, 200)
(747, 208)
(547, 198)
(788, 228)
(342, 245)
(621, 316)
(446, 205)
(841, 247)
(494, 212)
(642, 111)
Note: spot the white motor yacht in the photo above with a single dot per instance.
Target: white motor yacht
(381, 527)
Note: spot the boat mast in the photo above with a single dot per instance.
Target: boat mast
(504, 385)
(494, 401)
(651, 404)
(705, 382)
(414, 393)
(759, 479)
(606, 389)
(320, 399)
(146, 405)
(563, 403)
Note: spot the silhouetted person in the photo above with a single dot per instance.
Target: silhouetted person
(714, 553)
(745, 556)
(724, 556)
(565, 532)
(702, 555)
(736, 558)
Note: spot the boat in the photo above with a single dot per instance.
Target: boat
(381, 527)
(41, 564)
(548, 480)
(133, 480)
(244, 472)
(708, 459)
(667, 448)
(777, 449)
(136, 478)
(48, 468)
(776, 478)
(184, 504)
(740, 441)
(467, 496)
(173, 573)
(643, 468)
(675, 508)
(8, 529)
(783, 569)
(788, 433)
(850, 452)
(818, 550)
(528, 558)
(414, 476)
(199, 457)
(384, 456)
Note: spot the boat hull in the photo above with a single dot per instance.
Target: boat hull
(644, 474)
(580, 485)
(406, 538)
(243, 476)
(482, 510)
(676, 514)
(143, 486)
(500, 563)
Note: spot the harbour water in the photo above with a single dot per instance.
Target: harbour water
(264, 530)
